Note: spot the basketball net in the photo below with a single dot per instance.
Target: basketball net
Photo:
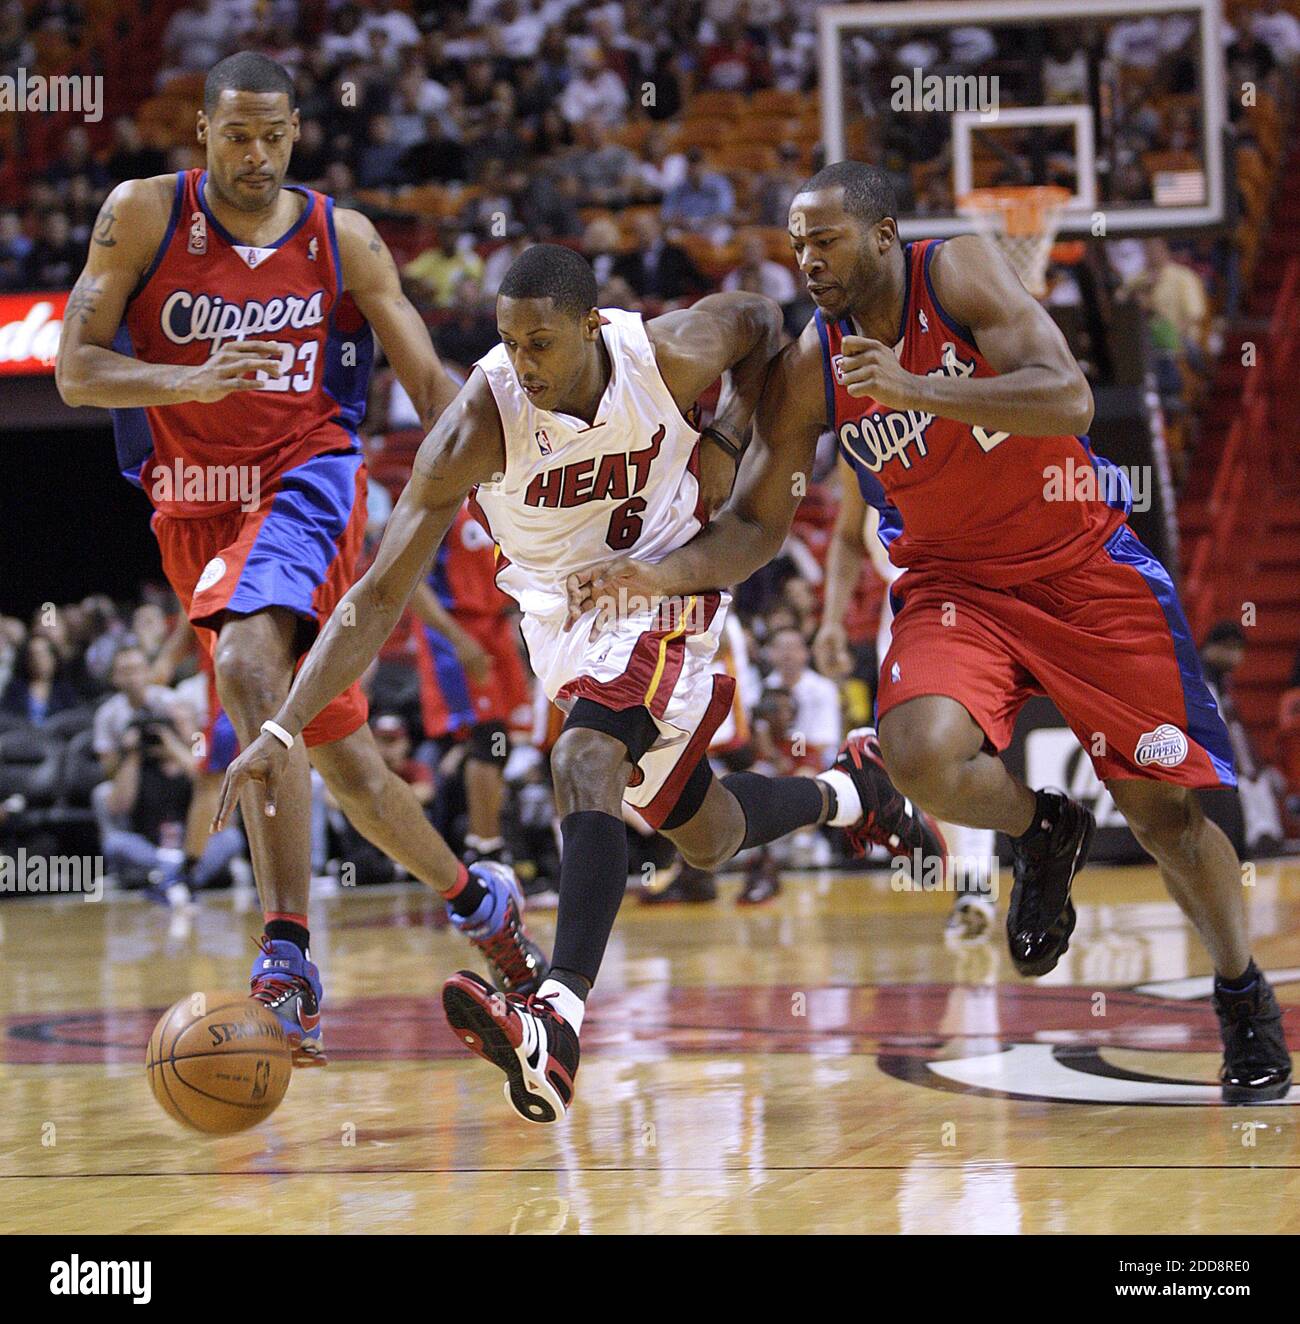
(1023, 222)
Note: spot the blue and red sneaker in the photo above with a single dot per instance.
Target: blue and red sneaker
(284, 980)
(516, 963)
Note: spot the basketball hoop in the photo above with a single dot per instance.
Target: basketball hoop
(1023, 222)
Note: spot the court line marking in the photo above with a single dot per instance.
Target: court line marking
(981, 1165)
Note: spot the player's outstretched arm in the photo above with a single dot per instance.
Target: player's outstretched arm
(88, 371)
(370, 275)
(773, 478)
(1039, 391)
(465, 447)
(734, 336)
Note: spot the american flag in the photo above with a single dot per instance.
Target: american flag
(1179, 188)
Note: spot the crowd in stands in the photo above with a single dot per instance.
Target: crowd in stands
(665, 140)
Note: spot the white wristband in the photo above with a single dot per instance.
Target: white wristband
(276, 730)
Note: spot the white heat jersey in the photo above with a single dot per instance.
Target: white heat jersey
(575, 496)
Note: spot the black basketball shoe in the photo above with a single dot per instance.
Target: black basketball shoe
(1041, 915)
(1256, 1063)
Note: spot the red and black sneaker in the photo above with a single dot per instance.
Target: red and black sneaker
(525, 1036)
(889, 818)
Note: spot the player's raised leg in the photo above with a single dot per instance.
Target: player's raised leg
(715, 819)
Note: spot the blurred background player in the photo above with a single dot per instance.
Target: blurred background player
(472, 683)
(260, 500)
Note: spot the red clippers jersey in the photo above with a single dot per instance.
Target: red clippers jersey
(464, 570)
(953, 496)
(205, 290)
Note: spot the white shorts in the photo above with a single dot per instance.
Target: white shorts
(657, 660)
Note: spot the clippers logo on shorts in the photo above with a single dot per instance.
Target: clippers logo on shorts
(1166, 745)
(212, 573)
(609, 478)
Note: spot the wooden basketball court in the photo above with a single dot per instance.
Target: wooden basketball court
(823, 1064)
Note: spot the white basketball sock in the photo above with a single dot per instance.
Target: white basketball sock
(848, 805)
(565, 1001)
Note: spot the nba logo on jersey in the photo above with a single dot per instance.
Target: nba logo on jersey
(311, 250)
(543, 441)
(837, 367)
(198, 244)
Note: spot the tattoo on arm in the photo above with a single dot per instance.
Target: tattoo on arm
(103, 235)
(376, 246)
(84, 299)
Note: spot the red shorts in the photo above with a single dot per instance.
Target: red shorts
(1107, 642)
(452, 703)
(297, 550)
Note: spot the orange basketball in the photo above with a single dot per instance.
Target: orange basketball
(219, 1062)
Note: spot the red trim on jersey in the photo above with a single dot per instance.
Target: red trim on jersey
(675, 654)
(478, 513)
(696, 748)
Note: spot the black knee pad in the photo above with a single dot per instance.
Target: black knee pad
(489, 742)
(633, 726)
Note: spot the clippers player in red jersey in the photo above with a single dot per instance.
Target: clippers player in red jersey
(955, 400)
(572, 436)
(227, 321)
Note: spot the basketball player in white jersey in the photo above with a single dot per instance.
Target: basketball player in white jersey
(971, 851)
(571, 439)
